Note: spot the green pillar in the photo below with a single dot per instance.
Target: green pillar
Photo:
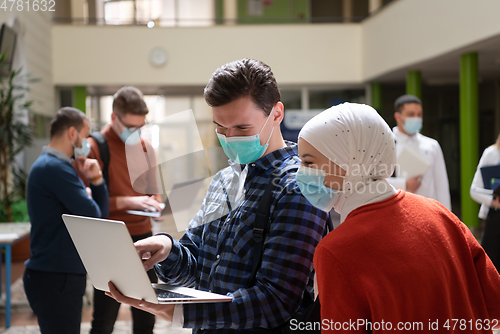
(40, 124)
(219, 12)
(414, 83)
(376, 96)
(469, 139)
(80, 97)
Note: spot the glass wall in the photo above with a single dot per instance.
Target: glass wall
(178, 13)
(302, 105)
(164, 13)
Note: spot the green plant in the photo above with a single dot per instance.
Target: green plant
(19, 211)
(15, 135)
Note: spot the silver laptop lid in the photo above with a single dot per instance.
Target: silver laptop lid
(108, 254)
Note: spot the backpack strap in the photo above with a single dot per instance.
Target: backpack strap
(260, 226)
(102, 144)
(329, 224)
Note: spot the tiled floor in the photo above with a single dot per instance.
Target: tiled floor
(121, 327)
(23, 321)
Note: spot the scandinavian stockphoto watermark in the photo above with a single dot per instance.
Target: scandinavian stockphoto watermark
(465, 325)
(358, 178)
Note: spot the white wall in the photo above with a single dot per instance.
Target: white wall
(298, 54)
(402, 35)
(411, 31)
(34, 54)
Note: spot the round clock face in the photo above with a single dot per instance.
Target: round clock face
(158, 57)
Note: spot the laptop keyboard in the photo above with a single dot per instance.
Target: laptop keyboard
(162, 294)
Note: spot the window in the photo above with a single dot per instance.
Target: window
(160, 12)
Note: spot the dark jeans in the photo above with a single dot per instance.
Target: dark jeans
(106, 310)
(491, 237)
(56, 300)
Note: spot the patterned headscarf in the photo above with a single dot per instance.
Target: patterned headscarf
(356, 138)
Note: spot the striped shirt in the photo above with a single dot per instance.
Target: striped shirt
(216, 252)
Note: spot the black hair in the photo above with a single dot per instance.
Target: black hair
(240, 78)
(65, 118)
(129, 100)
(404, 99)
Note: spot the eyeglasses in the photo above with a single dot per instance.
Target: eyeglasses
(131, 127)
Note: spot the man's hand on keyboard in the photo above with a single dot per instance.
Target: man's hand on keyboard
(153, 250)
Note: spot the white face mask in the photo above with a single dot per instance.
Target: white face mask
(82, 151)
(413, 125)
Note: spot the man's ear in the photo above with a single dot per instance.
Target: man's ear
(397, 117)
(72, 133)
(278, 112)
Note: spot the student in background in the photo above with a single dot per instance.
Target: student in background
(129, 115)
(55, 278)
(490, 204)
(434, 182)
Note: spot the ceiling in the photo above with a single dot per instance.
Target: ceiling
(445, 69)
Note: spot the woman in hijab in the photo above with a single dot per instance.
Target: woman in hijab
(398, 261)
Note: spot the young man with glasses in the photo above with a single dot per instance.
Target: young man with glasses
(129, 115)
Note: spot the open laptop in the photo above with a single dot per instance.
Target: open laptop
(186, 190)
(108, 254)
(410, 164)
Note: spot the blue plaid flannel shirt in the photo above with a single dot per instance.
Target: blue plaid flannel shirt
(215, 254)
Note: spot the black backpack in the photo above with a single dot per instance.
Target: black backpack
(102, 144)
(312, 315)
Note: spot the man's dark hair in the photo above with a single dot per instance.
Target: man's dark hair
(240, 78)
(129, 100)
(402, 100)
(65, 118)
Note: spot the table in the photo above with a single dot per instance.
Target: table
(10, 233)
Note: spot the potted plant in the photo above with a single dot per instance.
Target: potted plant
(15, 135)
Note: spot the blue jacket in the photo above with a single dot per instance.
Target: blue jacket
(54, 188)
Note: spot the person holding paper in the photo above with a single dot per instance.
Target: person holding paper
(434, 182)
(490, 204)
(397, 258)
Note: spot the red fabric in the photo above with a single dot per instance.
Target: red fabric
(405, 259)
(119, 182)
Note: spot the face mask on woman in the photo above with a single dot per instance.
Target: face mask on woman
(244, 149)
(311, 184)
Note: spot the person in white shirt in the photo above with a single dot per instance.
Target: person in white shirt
(434, 182)
(490, 204)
